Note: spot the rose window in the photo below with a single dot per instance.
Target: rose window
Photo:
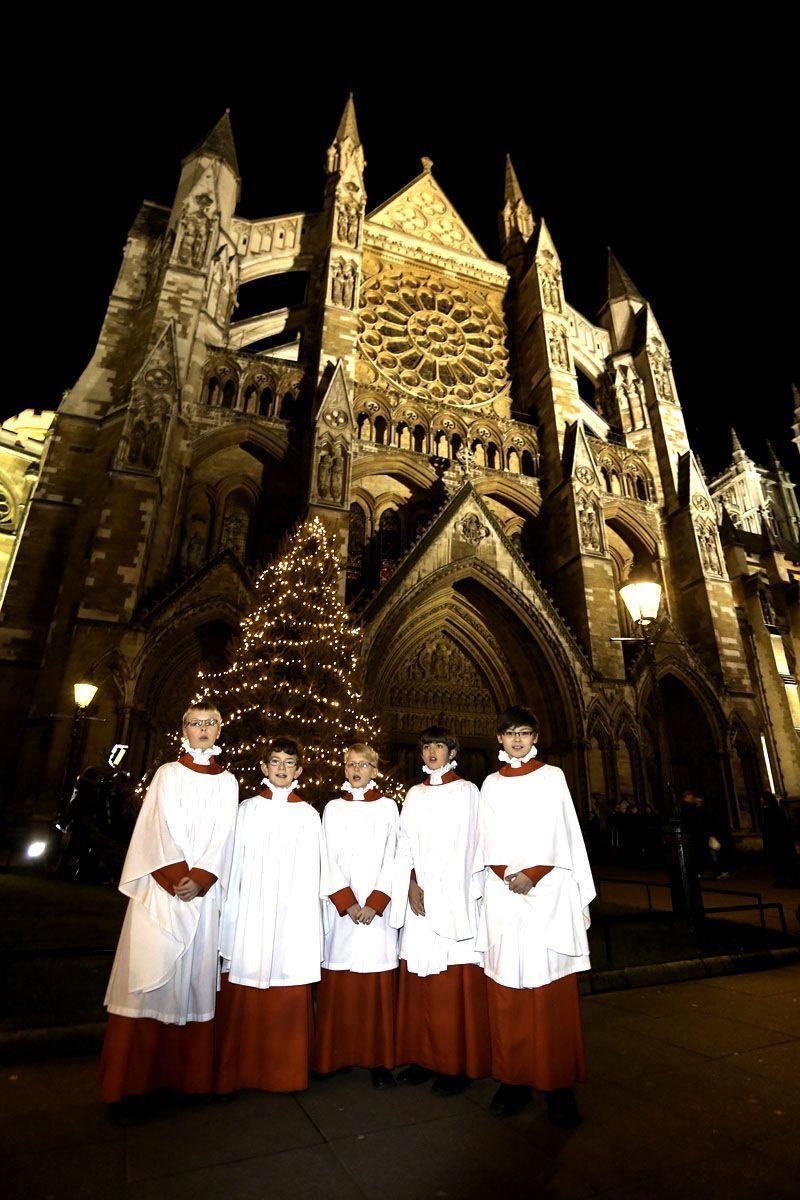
(431, 339)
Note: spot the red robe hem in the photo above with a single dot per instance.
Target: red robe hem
(443, 1021)
(537, 1037)
(141, 1055)
(264, 1037)
(356, 1017)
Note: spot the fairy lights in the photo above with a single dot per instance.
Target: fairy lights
(297, 669)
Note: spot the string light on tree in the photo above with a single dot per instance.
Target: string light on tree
(296, 670)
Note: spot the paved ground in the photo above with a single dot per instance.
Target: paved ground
(694, 1091)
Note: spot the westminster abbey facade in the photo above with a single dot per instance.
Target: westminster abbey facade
(493, 462)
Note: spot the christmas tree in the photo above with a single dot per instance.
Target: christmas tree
(296, 670)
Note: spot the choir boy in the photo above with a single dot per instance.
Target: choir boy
(357, 997)
(533, 926)
(442, 1018)
(271, 936)
(163, 985)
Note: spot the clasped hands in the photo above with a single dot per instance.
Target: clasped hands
(519, 883)
(186, 889)
(361, 915)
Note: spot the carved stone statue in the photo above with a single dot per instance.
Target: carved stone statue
(324, 470)
(337, 476)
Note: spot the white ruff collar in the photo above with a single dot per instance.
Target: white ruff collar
(517, 762)
(200, 756)
(358, 793)
(280, 794)
(437, 772)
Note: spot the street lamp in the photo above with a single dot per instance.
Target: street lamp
(642, 598)
(84, 694)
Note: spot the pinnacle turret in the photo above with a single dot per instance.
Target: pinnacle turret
(620, 284)
(219, 144)
(516, 218)
(346, 146)
(348, 126)
(738, 450)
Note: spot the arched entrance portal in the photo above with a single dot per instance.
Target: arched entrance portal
(167, 681)
(694, 744)
(459, 653)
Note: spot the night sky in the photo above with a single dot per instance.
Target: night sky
(684, 170)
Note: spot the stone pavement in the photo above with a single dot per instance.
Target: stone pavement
(694, 1091)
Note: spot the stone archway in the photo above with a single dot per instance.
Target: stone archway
(459, 651)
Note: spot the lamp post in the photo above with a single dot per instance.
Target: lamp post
(642, 598)
(83, 694)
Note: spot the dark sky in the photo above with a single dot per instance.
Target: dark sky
(679, 158)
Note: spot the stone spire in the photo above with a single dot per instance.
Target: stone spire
(772, 459)
(620, 284)
(219, 144)
(346, 146)
(516, 219)
(739, 454)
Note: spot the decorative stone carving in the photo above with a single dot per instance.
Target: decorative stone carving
(660, 363)
(708, 544)
(324, 469)
(425, 212)
(589, 523)
(586, 476)
(336, 417)
(343, 283)
(702, 503)
(6, 510)
(432, 338)
(439, 678)
(196, 228)
(347, 224)
(550, 280)
(558, 346)
(472, 529)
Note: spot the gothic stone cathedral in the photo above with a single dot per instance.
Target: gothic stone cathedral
(492, 462)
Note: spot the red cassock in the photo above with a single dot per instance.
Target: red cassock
(141, 1054)
(265, 1026)
(536, 1033)
(442, 1018)
(357, 1007)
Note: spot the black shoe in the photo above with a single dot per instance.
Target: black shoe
(450, 1085)
(562, 1109)
(414, 1075)
(509, 1099)
(382, 1077)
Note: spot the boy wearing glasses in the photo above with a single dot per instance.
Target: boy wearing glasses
(271, 935)
(533, 926)
(162, 990)
(356, 999)
(442, 1018)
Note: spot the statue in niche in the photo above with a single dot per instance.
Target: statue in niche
(193, 550)
(235, 526)
(324, 471)
(589, 529)
(347, 224)
(151, 450)
(343, 283)
(337, 475)
(136, 447)
(559, 353)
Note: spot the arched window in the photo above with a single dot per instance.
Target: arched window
(479, 453)
(364, 426)
(356, 544)
(615, 485)
(388, 542)
(641, 488)
(228, 398)
(440, 445)
(251, 399)
(236, 525)
(265, 402)
(419, 439)
(212, 390)
(455, 445)
(403, 436)
(606, 477)
(492, 456)
(512, 461)
(527, 463)
(380, 431)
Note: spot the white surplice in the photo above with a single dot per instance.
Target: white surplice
(359, 839)
(271, 932)
(530, 821)
(438, 840)
(166, 961)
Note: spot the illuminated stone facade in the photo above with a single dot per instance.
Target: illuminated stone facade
(492, 461)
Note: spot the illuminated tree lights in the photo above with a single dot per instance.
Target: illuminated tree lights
(296, 670)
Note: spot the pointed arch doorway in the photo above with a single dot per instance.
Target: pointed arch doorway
(459, 652)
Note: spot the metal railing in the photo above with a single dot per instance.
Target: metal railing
(758, 903)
